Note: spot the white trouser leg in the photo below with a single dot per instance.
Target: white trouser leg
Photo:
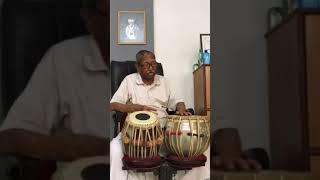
(116, 154)
(199, 173)
(116, 172)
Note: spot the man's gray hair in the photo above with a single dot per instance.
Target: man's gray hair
(141, 54)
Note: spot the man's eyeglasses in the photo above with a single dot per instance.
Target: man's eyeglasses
(148, 65)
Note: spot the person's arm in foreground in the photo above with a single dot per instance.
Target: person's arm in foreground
(59, 147)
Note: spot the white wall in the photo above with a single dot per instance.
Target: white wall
(241, 70)
(177, 28)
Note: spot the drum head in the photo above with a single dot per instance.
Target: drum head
(142, 118)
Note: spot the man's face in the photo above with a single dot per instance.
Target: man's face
(131, 21)
(147, 67)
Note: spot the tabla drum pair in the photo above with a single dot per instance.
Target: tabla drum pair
(185, 137)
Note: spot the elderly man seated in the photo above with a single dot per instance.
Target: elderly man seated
(147, 91)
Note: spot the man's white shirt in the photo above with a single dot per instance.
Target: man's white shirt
(159, 95)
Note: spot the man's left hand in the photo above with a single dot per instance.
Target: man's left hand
(183, 113)
(181, 109)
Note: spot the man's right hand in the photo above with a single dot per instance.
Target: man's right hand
(60, 147)
(148, 108)
(138, 107)
(129, 108)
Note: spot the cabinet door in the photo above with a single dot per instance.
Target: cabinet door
(201, 79)
(313, 78)
(199, 91)
(207, 76)
(285, 66)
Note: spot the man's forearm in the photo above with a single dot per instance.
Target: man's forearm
(66, 147)
(128, 108)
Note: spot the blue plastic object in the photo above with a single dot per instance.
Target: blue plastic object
(206, 57)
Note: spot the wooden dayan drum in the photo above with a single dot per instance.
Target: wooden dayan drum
(142, 135)
(187, 136)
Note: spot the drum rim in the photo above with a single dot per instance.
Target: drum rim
(131, 119)
(193, 117)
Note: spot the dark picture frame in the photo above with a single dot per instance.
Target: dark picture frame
(205, 42)
(135, 35)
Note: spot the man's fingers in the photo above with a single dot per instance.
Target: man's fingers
(183, 113)
(148, 108)
(241, 164)
(228, 165)
(186, 113)
(152, 109)
(254, 164)
(155, 112)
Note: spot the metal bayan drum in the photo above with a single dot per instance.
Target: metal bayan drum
(187, 136)
(142, 135)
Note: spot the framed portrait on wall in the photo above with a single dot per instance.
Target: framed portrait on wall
(205, 42)
(132, 27)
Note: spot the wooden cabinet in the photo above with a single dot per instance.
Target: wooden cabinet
(201, 80)
(293, 50)
(315, 167)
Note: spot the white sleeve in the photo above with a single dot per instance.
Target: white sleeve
(36, 109)
(122, 94)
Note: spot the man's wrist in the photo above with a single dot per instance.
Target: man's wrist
(181, 107)
(135, 107)
(141, 107)
(138, 107)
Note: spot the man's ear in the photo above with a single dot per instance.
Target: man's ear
(137, 67)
